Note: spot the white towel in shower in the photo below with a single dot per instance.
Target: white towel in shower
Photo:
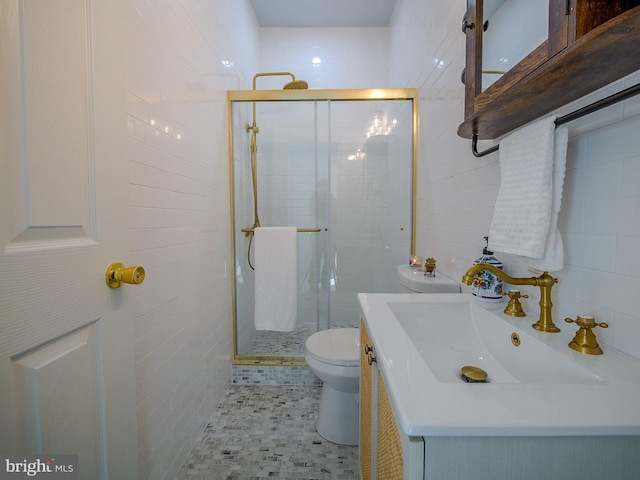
(532, 169)
(276, 278)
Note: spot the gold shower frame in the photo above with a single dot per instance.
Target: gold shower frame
(299, 95)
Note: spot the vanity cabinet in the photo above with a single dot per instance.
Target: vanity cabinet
(367, 373)
(589, 45)
(385, 452)
(420, 421)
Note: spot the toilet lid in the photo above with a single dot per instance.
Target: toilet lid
(336, 346)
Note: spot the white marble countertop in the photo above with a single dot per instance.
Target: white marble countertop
(426, 406)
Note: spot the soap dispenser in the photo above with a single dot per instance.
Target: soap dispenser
(486, 286)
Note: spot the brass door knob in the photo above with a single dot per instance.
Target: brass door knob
(117, 274)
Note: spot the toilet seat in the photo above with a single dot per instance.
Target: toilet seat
(335, 346)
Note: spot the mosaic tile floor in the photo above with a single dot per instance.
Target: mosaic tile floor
(271, 343)
(268, 432)
(268, 342)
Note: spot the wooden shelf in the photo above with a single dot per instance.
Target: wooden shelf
(600, 57)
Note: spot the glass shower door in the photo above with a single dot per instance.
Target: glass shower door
(291, 169)
(340, 171)
(371, 196)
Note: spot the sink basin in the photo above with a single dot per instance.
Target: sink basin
(450, 335)
(539, 388)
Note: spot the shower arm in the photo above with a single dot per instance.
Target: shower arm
(272, 74)
(255, 79)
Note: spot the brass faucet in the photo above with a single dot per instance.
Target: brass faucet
(544, 281)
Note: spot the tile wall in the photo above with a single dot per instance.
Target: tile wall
(600, 217)
(349, 57)
(181, 59)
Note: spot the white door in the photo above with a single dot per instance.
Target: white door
(66, 350)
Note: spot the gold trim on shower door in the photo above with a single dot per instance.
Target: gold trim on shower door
(232, 259)
(414, 171)
(299, 95)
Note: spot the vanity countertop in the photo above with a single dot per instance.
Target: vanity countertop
(603, 399)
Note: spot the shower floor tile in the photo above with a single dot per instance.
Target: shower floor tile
(292, 343)
(268, 432)
(271, 343)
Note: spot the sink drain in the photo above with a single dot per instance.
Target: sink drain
(472, 374)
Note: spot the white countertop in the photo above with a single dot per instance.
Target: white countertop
(415, 279)
(425, 406)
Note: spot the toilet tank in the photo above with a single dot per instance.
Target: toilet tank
(414, 280)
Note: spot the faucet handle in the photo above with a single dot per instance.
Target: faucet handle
(585, 340)
(514, 307)
(586, 321)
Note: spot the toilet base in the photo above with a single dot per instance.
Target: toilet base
(338, 417)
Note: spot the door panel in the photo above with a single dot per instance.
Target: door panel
(66, 347)
(47, 292)
(50, 257)
(57, 137)
(49, 157)
(50, 419)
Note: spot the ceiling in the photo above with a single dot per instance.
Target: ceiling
(323, 13)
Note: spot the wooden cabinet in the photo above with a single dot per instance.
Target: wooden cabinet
(385, 452)
(590, 44)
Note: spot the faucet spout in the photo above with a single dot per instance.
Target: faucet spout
(544, 281)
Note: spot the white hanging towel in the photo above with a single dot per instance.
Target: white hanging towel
(276, 278)
(532, 169)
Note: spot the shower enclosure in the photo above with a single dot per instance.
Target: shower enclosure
(340, 166)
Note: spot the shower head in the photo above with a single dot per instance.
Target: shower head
(296, 85)
(292, 85)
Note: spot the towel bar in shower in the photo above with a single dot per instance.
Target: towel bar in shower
(249, 231)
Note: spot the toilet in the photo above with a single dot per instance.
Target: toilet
(333, 355)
